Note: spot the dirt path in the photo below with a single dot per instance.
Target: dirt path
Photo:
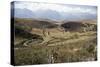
(56, 40)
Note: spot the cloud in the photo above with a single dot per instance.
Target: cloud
(63, 10)
(56, 7)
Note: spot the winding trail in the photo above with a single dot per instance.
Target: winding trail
(54, 41)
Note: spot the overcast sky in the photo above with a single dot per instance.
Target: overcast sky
(60, 8)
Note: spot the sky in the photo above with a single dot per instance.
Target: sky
(64, 10)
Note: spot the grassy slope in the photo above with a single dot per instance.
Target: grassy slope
(63, 47)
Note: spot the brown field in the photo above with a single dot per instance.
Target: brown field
(55, 44)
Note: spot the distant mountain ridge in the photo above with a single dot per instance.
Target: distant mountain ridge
(23, 13)
(51, 14)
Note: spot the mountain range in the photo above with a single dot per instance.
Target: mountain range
(51, 14)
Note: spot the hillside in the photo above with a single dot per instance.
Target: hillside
(34, 23)
(80, 26)
(40, 40)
